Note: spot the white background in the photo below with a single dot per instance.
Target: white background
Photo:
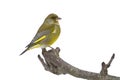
(90, 34)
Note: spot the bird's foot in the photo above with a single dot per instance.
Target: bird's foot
(56, 51)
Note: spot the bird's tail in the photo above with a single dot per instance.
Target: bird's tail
(24, 51)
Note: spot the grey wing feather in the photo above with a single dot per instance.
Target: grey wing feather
(38, 35)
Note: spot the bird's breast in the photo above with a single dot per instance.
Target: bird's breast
(56, 29)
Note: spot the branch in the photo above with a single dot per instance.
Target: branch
(53, 63)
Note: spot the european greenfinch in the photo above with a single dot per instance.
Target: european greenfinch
(47, 34)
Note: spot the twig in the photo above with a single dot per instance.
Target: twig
(104, 70)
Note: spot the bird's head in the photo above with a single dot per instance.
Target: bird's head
(52, 19)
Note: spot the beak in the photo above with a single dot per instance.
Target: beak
(59, 18)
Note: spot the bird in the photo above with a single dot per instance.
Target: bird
(47, 34)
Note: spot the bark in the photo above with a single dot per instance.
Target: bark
(53, 63)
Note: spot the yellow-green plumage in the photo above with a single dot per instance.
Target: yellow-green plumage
(47, 34)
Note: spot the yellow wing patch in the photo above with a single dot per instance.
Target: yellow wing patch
(43, 37)
(35, 46)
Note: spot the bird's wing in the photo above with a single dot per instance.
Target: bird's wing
(41, 35)
(38, 37)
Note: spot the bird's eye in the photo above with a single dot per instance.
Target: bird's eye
(54, 17)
